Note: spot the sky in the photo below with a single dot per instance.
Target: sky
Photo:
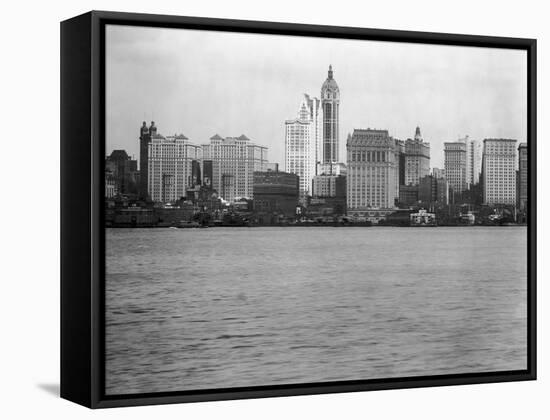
(200, 83)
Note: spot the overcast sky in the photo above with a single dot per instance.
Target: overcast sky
(200, 83)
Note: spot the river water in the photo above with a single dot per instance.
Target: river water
(227, 307)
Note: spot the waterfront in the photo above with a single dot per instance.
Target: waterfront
(228, 307)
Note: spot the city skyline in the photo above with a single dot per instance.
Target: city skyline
(461, 91)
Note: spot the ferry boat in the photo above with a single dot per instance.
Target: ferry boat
(468, 218)
(422, 218)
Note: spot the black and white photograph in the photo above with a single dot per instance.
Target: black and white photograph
(275, 210)
(287, 210)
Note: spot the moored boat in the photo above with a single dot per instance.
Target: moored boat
(422, 219)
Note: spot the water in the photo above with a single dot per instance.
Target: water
(228, 307)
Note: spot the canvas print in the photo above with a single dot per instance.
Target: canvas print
(292, 210)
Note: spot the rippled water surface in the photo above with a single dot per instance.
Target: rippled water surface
(228, 307)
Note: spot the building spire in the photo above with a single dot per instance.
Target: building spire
(417, 135)
(330, 71)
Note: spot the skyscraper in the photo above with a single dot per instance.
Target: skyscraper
(234, 161)
(170, 166)
(144, 140)
(455, 165)
(302, 144)
(330, 104)
(499, 171)
(417, 159)
(124, 171)
(372, 170)
(473, 161)
(315, 117)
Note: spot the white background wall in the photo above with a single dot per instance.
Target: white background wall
(29, 233)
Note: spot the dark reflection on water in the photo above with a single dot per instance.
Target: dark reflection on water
(228, 307)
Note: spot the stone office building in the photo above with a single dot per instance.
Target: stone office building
(234, 161)
(173, 160)
(303, 144)
(417, 159)
(473, 161)
(329, 195)
(276, 194)
(372, 169)
(499, 171)
(433, 191)
(456, 165)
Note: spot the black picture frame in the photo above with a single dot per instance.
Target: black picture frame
(82, 227)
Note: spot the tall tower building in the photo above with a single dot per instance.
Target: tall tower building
(313, 106)
(372, 164)
(144, 140)
(330, 104)
(234, 161)
(303, 145)
(417, 159)
(473, 161)
(499, 171)
(455, 165)
(400, 167)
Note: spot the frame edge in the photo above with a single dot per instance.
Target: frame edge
(75, 132)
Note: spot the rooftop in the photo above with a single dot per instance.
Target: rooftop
(508, 140)
(370, 137)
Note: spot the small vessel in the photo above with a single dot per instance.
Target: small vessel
(188, 225)
(468, 218)
(422, 218)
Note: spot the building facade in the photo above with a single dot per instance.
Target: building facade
(329, 191)
(329, 186)
(474, 151)
(455, 165)
(313, 106)
(275, 194)
(124, 171)
(408, 195)
(433, 191)
(110, 185)
(172, 163)
(145, 134)
(400, 157)
(372, 169)
(331, 169)
(303, 144)
(234, 161)
(522, 181)
(417, 159)
(438, 172)
(499, 171)
(330, 105)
